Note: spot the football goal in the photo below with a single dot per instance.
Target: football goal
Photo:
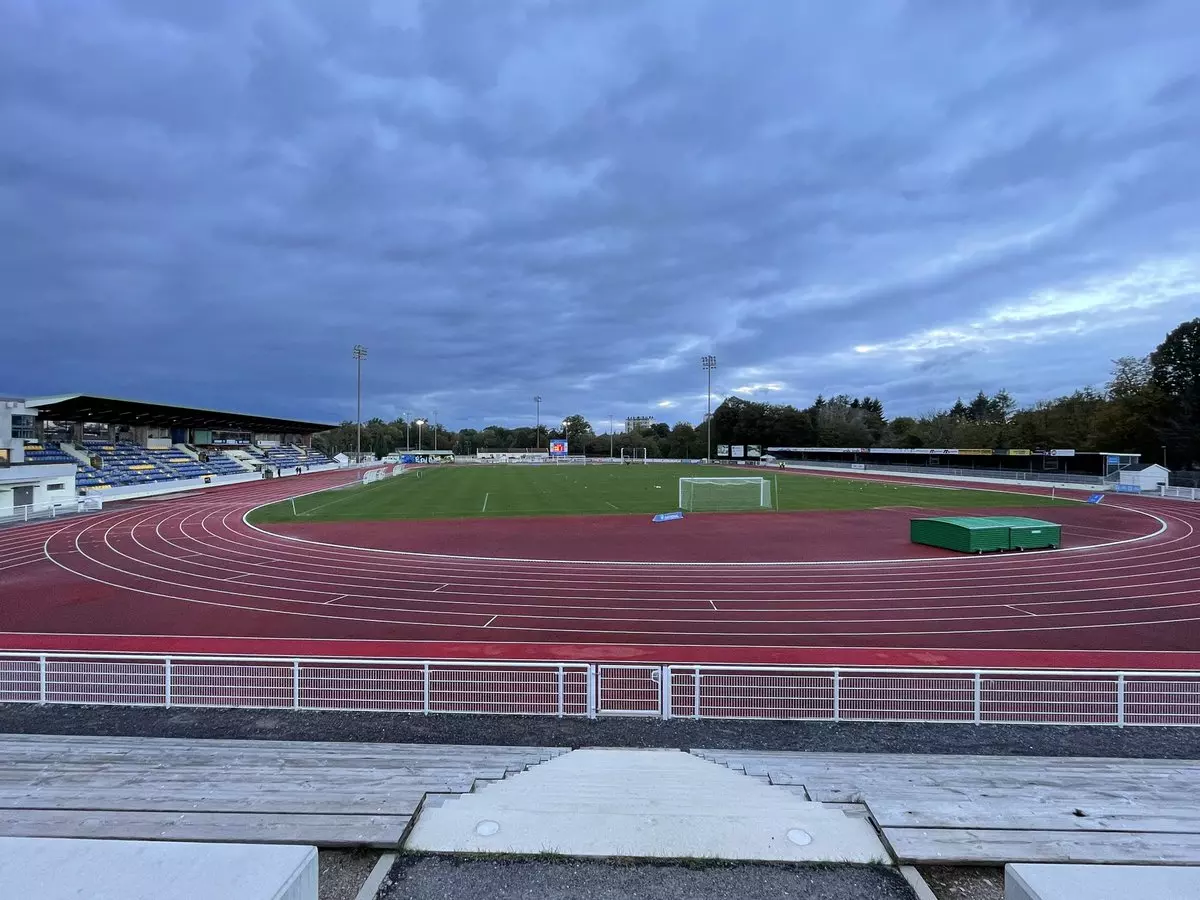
(717, 494)
(633, 454)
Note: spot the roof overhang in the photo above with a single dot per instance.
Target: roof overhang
(115, 411)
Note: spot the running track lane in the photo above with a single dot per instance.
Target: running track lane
(187, 575)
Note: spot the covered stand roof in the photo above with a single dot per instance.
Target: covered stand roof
(113, 411)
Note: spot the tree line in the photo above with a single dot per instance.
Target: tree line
(1150, 405)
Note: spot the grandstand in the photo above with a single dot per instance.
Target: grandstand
(133, 448)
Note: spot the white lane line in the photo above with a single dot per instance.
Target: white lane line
(1018, 609)
(336, 599)
(439, 587)
(236, 577)
(490, 621)
(25, 563)
(485, 500)
(714, 606)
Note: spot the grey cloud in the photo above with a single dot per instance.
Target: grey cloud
(211, 203)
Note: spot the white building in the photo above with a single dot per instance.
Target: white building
(28, 488)
(1145, 478)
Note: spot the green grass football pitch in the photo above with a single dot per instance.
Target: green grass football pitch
(492, 491)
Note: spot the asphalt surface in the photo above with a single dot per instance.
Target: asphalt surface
(452, 879)
(528, 731)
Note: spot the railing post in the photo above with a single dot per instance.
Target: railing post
(978, 704)
(42, 679)
(591, 691)
(167, 681)
(696, 693)
(295, 684)
(1121, 700)
(837, 695)
(560, 690)
(425, 678)
(664, 691)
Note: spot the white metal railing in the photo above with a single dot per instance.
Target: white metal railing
(1018, 696)
(31, 512)
(934, 695)
(1180, 493)
(416, 686)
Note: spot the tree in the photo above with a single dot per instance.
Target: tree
(1175, 374)
(578, 431)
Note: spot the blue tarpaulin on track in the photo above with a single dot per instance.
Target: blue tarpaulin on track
(669, 517)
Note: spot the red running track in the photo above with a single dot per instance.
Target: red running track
(187, 575)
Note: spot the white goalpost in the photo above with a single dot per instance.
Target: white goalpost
(633, 454)
(724, 494)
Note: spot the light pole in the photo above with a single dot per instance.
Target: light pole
(360, 353)
(537, 426)
(407, 430)
(435, 430)
(709, 363)
(611, 452)
(566, 437)
(420, 422)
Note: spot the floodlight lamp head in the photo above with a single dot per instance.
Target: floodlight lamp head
(420, 422)
(360, 352)
(708, 362)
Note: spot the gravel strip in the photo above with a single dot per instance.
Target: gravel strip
(342, 872)
(415, 878)
(964, 882)
(530, 731)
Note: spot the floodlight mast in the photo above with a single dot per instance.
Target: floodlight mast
(709, 363)
(420, 425)
(360, 353)
(537, 422)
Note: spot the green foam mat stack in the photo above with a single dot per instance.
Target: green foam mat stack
(985, 534)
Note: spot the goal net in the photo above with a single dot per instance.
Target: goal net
(633, 454)
(716, 494)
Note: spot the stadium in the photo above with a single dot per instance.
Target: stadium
(183, 558)
(599, 451)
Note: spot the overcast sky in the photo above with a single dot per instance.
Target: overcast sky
(211, 202)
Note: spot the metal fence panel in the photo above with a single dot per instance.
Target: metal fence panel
(581, 689)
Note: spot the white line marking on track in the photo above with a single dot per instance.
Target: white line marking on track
(485, 500)
(25, 563)
(714, 606)
(439, 587)
(1018, 609)
(236, 577)
(490, 621)
(336, 599)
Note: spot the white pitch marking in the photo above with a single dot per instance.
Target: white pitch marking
(490, 621)
(485, 499)
(613, 505)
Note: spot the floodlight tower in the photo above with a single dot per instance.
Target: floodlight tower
(709, 363)
(537, 427)
(420, 425)
(360, 353)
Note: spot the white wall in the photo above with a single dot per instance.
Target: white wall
(1148, 479)
(40, 478)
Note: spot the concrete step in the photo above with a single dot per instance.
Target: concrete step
(648, 804)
